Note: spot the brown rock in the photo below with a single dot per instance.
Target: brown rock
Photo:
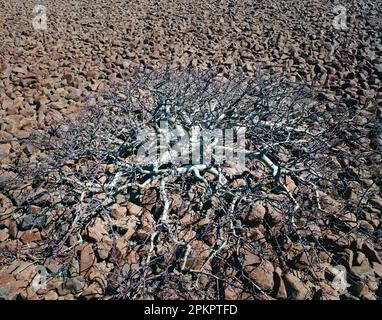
(273, 216)
(359, 258)
(104, 248)
(349, 219)
(12, 228)
(327, 203)
(262, 276)
(10, 288)
(134, 210)
(256, 213)
(94, 290)
(96, 276)
(4, 234)
(128, 224)
(198, 255)
(74, 285)
(279, 287)
(232, 292)
(250, 259)
(377, 267)
(30, 236)
(96, 231)
(328, 293)
(359, 289)
(4, 150)
(295, 287)
(87, 259)
(118, 212)
(51, 295)
(362, 271)
(370, 252)
(366, 227)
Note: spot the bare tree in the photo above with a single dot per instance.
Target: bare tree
(202, 208)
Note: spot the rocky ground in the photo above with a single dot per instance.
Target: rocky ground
(91, 45)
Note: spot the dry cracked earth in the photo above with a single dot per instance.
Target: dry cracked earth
(90, 46)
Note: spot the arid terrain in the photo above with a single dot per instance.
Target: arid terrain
(89, 49)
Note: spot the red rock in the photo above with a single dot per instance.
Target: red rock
(94, 290)
(370, 252)
(249, 258)
(377, 268)
(12, 228)
(96, 231)
(279, 287)
(30, 236)
(256, 213)
(96, 276)
(232, 292)
(87, 259)
(4, 234)
(104, 248)
(118, 212)
(4, 150)
(51, 295)
(295, 287)
(134, 209)
(262, 275)
(328, 293)
(129, 224)
(10, 287)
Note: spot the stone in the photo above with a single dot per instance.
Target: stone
(262, 275)
(5, 149)
(94, 290)
(328, 293)
(272, 216)
(30, 236)
(359, 258)
(303, 260)
(345, 258)
(74, 285)
(370, 253)
(104, 248)
(362, 271)
(87, 259)
(365, 227)
(128, 225)
(51, 295)
(32, 220)
(349, 219)
(96, 276)
(279, 287)
(328, 203)
(96, 231)
(377, 268)
(295, 287)
(134, 209)
(4, 234)
(376, 201)
(248, 68)
(232, 292)
(74, 268)
(249, 258)
(118, 212)
(256, 213)
(359, 289)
